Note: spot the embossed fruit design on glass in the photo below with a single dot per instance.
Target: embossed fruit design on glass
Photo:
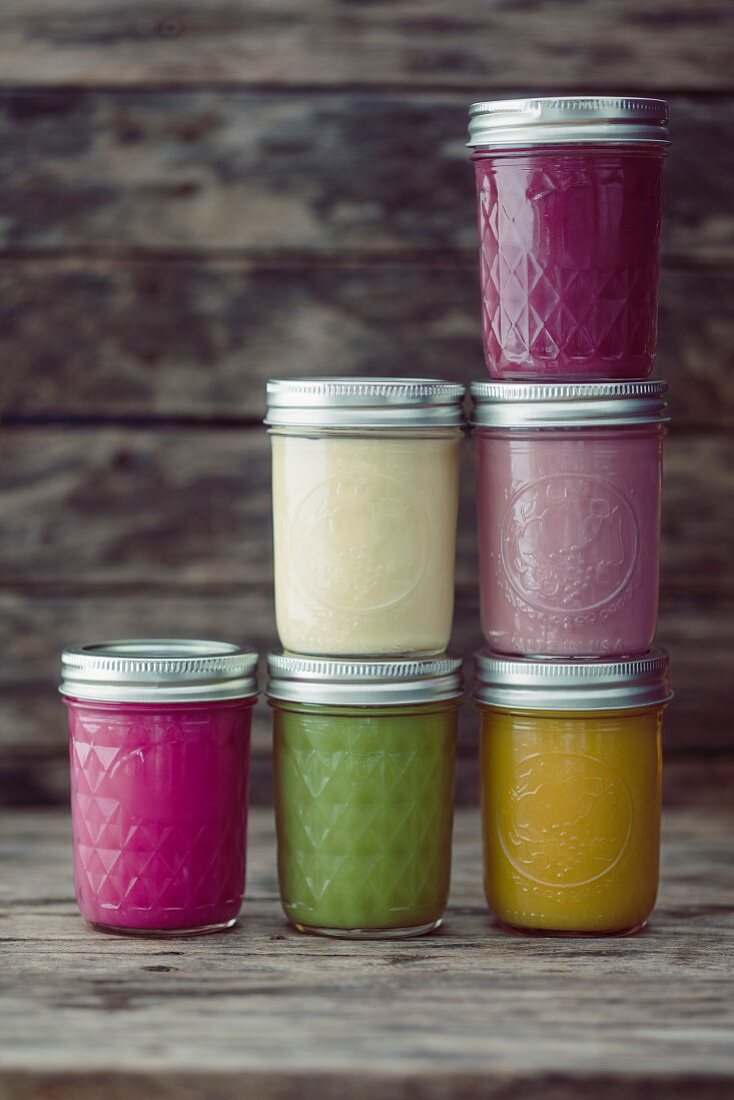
(365, 501)
(569, 211)
(569, 493)
(159, 754)
(570, 772)
(364, 769)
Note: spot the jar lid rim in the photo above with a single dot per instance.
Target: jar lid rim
(571, 119)
(158, 669)
(568, 404)
(526, 683)
(364, 402)
(339, 681)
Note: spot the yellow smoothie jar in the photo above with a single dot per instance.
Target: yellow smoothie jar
(571, 775)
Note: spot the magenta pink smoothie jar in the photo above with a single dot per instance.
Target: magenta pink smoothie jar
(569, 210)
(568, 488)
(159, 754)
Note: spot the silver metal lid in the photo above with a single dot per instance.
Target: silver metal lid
(566, 120)
(519, 683)
(337, 682)
(364, 403)
(566, 404)
(158, 670)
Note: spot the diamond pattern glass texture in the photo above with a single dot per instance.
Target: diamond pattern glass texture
(569, 262)
(159, 812)
(364, 815)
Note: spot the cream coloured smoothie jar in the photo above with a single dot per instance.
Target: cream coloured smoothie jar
(365, 502)
(568, 495)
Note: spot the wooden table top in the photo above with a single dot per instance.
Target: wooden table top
(266, 1013)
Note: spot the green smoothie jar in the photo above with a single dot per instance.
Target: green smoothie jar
(364, 774)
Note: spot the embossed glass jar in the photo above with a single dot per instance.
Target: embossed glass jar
(569, 211)
(570, 774)
(159, 754)
(364, 770)
(365, 500)
(568, 496)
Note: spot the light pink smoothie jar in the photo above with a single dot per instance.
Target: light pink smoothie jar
(159, 753)
(568, 487)
(569, 210)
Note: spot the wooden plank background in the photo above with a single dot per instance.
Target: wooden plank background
(196, 196)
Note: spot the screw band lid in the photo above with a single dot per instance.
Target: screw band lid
(364, 403)
(340, 682)
(568, 120)
(525, 684)
(149, 670)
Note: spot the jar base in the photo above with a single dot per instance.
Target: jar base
(368, 654)
(549, 658)
(163, 933)
(568, 934)
(608, 371)
(370, 933)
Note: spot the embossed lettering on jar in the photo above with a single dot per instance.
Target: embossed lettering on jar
(569, 211)
(159, 753)
(570, 773)
(568, 496)
(365, 499)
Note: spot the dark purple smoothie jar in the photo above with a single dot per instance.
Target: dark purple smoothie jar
(569, 211)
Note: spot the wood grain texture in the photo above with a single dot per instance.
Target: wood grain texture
(100, 338)
(375, 175)
(191, 505)
(106, 504)
(196, 196)
(474, 44)
(35, 625)
(467, 1012)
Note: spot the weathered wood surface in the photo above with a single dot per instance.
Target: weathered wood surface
(377, 174)
(192, 505)
(466, 1013)
(35, 624)
(99, 338)
(473, 44)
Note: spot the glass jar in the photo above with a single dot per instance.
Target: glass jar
(568, 497)
(159, 754)
(364, 769)
(569, 210)
(570, 773)
(365, 501)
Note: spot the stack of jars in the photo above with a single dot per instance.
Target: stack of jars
(365, 699)
(365, 498)
(569, 443)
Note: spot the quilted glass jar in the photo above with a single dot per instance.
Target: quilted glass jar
(159, 754)
(365, 501)
(364, 770)
(570, 775)
(569, 211)
(568, 497)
